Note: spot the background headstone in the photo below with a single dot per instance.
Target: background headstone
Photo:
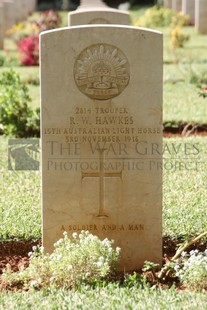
(177, 5)
(9, 14)
(188, 8)
(101, 137)
(168, 4)
(201, 16)
(1, 26)
(25, 9)
(32, 6)
(18, 10)
(97, 12)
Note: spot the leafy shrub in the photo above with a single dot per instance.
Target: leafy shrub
(29, 50)
(202, 91)
(2, 60)
(192, 271)
(158, 16)
(82, 259)
(26, 36)
(178, 37)
(135, 280)
(22, 30)
(48, 20)
(198, 78)
(8, 59)
(16, 118)
(180, 19)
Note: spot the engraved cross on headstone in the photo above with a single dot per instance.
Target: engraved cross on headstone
(101, 174)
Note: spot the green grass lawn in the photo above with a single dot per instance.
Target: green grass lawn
(110, 297)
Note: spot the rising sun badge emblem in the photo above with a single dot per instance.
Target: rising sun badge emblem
(101, 71)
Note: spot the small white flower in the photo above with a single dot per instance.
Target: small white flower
(65, 233)
(87, 274)
(118, 249)
(183, 254)
(99, 264)
(21, 268)
(75, 235)
(106, 242)
(58, 257)
(33, 283)
(101, 259)
(58, 242)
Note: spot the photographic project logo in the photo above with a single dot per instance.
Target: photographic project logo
(23, 154)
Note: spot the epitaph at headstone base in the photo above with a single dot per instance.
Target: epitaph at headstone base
(101, 137)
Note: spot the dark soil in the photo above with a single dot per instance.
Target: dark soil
(15, 253)
(184, 130)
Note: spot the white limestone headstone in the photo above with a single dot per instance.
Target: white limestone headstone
(101, 130)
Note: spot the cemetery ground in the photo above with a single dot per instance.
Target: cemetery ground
(184, 198)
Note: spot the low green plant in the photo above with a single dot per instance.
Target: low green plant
(8, 59)
(159, 16)
(16, 117)
(198, 78)
(202, 91)
(32, 80)
(192, 270)
(81, 259)
(2, 60)
(134, 280)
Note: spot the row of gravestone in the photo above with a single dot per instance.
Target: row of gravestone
(101, 132)
(12, 12)
(196, 9)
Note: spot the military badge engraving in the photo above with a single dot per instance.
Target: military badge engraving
(101, 71)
